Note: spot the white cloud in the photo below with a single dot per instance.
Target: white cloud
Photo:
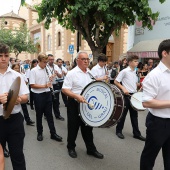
(9, 5)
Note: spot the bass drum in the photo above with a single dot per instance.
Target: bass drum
(107, 101)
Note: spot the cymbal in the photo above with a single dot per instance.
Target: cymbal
(12, 97)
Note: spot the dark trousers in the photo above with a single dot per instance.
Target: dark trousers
(133, 118)
(74, 122)
(43, 104)
(12, 132)
(157, 138)
(64, 97)
(56, 101)
(25, 112)
(31, 97)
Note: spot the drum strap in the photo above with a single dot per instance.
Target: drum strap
(91, 76)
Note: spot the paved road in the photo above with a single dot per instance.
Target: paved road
(51, 155)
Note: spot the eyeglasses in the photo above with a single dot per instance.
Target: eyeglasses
(85, 59)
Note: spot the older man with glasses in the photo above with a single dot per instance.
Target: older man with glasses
(74, 83)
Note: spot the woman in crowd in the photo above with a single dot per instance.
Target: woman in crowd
(123, 65)
(143, 72)
(33, 64)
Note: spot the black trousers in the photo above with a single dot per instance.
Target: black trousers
(64, 97)
(25, 112)
(157, 138)
(43, 104)
(133, 118)
(56, 101)
(74, 122)
(12, 132)
(31, 97)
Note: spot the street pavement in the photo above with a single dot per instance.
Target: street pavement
(119, 154)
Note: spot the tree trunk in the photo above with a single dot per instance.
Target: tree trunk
(96, 53)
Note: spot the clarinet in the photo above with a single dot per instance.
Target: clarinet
(51, 89)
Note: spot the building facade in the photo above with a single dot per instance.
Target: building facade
(145, 42)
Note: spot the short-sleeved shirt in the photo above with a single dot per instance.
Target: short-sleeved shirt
(60, 69)
(156, 85)
(98, 71)
(6, 81)
(129, 79)
(51, 71)
(40, 77)
(76, 80)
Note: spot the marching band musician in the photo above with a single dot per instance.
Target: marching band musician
(16, 67)
(53, 71)
(12, 129)
(156, 97)
(40, 85)
(62, 73)
(129, 81)
(99, 71)
(74, 82)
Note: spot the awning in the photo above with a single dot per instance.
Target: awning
(146, 49)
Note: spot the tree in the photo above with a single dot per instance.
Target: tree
(18, 40)
(96, 19)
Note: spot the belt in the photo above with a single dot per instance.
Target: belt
(159, 118)
(43, 93)
(11, 115)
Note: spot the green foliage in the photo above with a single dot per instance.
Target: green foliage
(18, 40)
(89, 16)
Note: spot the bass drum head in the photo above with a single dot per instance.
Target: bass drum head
(100, 95)
(136, 101)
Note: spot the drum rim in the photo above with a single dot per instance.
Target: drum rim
(134, 106)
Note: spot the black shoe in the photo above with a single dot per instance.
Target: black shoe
(56, 137)
(30, 122)
(39, 137)
(72, 153)
(140, 138)
(95, 154)
(60, 118)
(6, 153)
(32, 107)
(120, 135)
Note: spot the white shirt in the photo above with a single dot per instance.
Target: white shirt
(6, 81)
(156, 85)
(24, 77)
(129, 79)
(51, 71)
(60, 69)
(76, 80)
(27, 73)
(98, 71)
(39, 76)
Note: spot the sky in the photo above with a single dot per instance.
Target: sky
(9, 5)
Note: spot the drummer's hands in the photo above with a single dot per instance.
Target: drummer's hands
(18, 101)
(105, 77)
(3, 98)
(80, 99)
